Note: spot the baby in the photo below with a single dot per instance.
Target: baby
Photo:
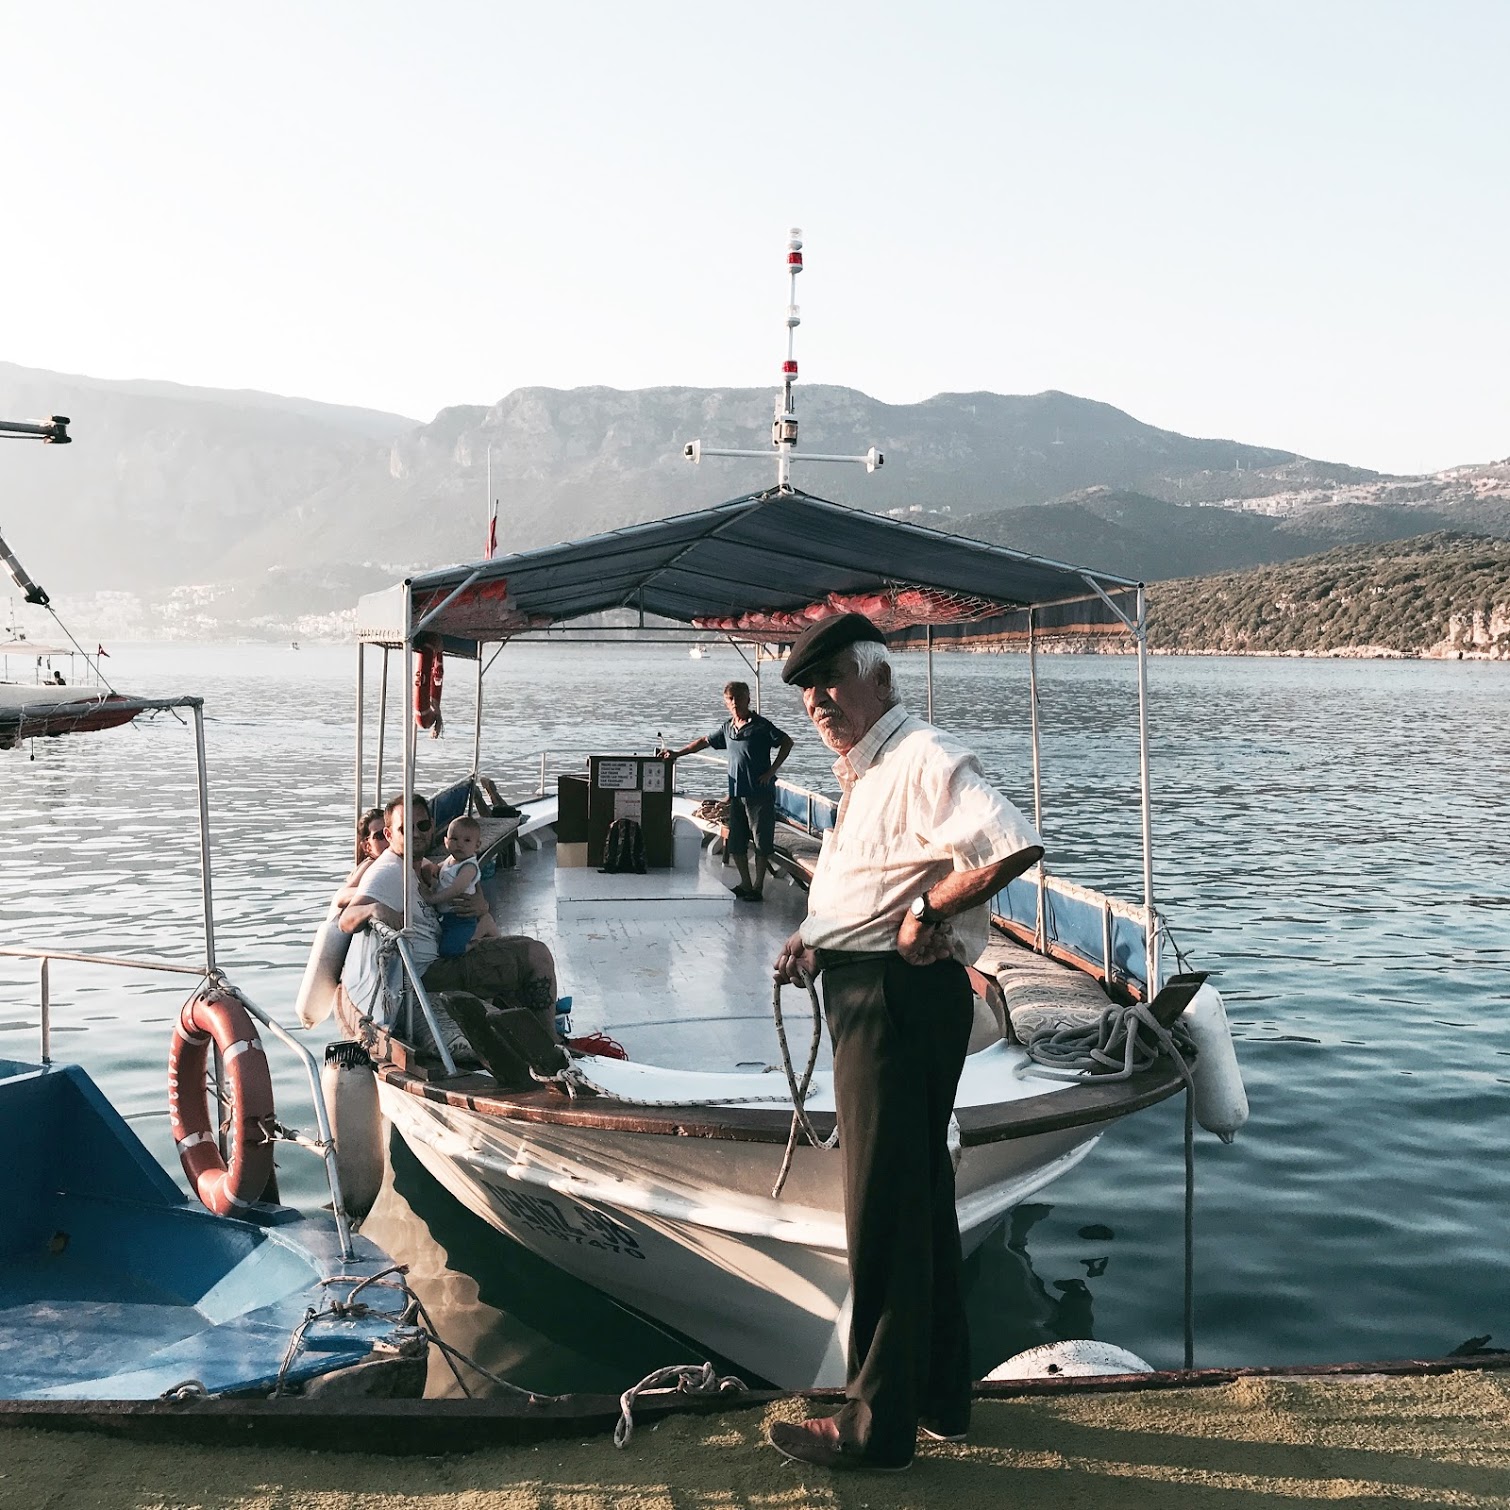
(458, 877)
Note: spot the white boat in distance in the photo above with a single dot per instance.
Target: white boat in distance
(654, 1182)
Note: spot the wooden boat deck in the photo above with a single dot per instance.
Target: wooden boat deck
(675, 984)
(688, 988)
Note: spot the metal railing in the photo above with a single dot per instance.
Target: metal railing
(324, 1145)
(542, 766)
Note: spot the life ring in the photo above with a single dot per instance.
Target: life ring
(218, 1016)
(429, 676)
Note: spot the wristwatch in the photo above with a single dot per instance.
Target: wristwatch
(922, 911)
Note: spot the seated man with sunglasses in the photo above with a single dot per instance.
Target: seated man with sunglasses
(508, 971)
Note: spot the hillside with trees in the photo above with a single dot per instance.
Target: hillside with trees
(1444, 595)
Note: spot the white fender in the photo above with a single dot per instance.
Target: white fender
(1081, 1357)
(356, 1125)
(317, 991)
(1221, 1102)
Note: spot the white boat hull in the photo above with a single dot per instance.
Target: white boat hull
(691, 1236)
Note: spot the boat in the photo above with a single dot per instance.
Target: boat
(117, 1285)
(679, 1160)
(44, 704)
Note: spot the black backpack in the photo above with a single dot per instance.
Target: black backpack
(624, 848)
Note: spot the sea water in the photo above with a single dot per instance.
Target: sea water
(1329, 840)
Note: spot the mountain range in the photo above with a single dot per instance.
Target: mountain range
(204, 510)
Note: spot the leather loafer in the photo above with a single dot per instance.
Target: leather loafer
(937, 1431)
(817, 1443)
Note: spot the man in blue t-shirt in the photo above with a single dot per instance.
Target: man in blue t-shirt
(749, 741)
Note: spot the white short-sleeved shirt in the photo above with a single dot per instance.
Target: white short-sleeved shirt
(383, 881)
(916, 807)
(449, 872)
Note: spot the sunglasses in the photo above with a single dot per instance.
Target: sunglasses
(423, 823)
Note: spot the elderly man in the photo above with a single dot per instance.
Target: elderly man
(897, 908)
(510, 972)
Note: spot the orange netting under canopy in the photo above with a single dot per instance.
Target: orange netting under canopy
(484, 610)
(889, 609)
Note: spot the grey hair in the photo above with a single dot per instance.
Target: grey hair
(870, 657)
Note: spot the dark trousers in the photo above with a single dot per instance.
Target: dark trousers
(900, 1033)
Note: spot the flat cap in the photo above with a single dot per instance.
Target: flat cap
(823, 640)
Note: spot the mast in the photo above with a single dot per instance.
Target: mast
(784, 425)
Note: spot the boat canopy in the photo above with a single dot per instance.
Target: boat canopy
(45, 710)
(761, 568)
(35, 648)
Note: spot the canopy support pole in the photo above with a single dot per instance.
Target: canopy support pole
(377, 779)
(356, 785)
(1150, 917)
(204, 841)
(1033, 711)
(476, 738)
(408, 750)
(1043, 873)
(930, 673)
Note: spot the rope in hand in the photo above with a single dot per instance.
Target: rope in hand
(799, 1088)
(689, 1380)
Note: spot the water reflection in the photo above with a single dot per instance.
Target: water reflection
(501, 1305)
(543, 1329)
(1327, 836)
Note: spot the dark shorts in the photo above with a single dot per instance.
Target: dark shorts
(455, 934)
(755, 815)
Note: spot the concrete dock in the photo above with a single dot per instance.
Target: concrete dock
(1256, 1442)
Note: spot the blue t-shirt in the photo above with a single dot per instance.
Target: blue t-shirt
(750, 749)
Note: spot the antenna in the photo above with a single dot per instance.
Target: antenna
(784, 425)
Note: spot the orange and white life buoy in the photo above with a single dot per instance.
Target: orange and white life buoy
(219, 1017)
(429, 677)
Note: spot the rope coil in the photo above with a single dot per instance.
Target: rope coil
(689, 1380)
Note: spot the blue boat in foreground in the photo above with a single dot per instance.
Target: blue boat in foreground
(115, 1286)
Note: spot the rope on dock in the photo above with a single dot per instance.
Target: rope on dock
(685, 1378)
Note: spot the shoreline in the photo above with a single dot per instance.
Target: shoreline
(1263, 1441)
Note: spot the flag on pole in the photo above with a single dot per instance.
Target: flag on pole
(100, 650)
(492, 543)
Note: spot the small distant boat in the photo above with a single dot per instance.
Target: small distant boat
(293, 644)
(697, 652)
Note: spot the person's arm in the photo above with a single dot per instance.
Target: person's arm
(700, 743)
(350, 891)
(782, 751)
(458, 885)
(925, 943)
(361, 912)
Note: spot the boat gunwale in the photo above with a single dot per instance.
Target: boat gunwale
(1085, 1104)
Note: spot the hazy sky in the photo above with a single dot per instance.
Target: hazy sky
(1285, 223)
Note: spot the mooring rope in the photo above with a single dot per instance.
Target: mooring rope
(799, 1088)
(411, 1308)
(689, 1380)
